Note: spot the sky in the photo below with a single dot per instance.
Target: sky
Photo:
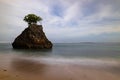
(64, 21)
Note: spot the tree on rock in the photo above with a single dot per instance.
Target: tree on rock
(32, 19)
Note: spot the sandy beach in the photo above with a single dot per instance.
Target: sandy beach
(58, 69)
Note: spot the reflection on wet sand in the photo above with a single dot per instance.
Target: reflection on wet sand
(27, 66)
(31, 69)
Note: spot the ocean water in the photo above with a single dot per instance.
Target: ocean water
(68, 50)
(64, 59)
(85, 54)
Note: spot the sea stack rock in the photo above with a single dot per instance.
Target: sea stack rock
(32, 37)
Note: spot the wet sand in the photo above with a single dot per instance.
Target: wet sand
(16, 68)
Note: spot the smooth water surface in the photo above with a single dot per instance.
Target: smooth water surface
(69, 50)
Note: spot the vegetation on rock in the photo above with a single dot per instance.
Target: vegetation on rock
(32, 19)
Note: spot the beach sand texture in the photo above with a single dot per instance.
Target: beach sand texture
(59, 69)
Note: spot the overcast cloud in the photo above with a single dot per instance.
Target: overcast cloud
(63, 20)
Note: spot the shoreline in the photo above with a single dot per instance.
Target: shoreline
(23, 68)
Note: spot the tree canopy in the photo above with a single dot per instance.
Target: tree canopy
(32, 19)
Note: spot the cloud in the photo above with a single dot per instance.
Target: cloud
(66, 19)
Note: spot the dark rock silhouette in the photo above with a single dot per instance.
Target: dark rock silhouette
(32, 37)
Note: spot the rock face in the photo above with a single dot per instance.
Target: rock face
(32, 37)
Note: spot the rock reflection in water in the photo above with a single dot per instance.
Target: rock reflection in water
(33, 52)
(27, 66)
